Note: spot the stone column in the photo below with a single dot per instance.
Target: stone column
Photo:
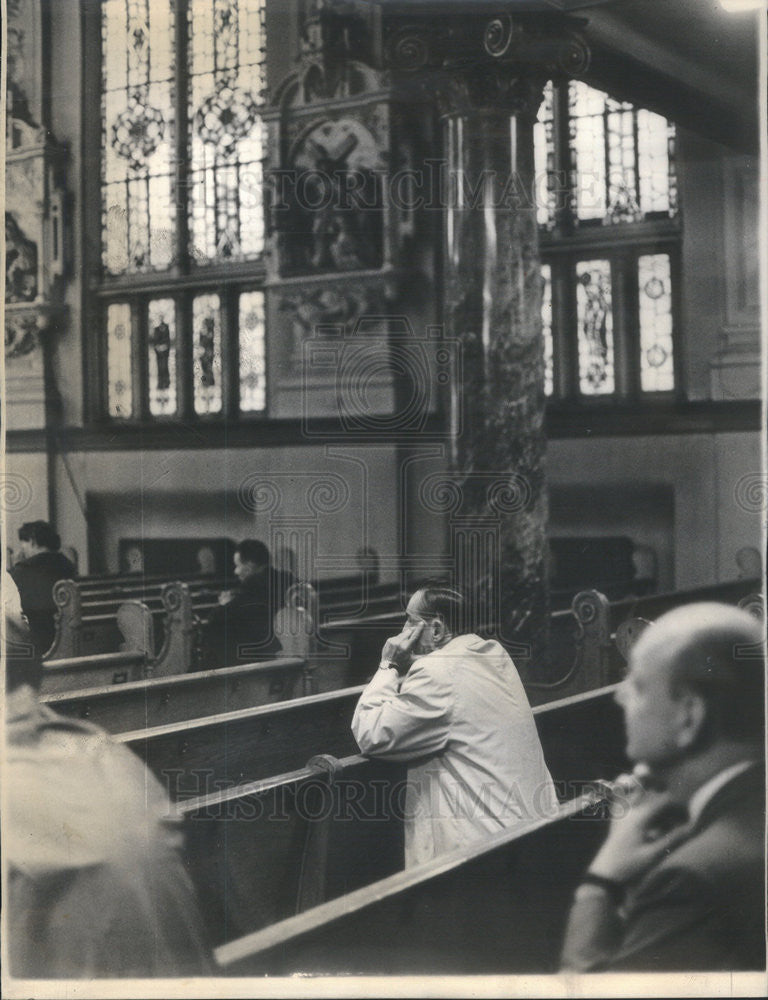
(493, 307)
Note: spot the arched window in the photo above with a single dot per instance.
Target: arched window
(176, 290)
(608, 217)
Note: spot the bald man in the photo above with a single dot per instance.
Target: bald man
(679, 883)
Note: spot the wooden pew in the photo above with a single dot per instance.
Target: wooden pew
(88, 624)
(337, 823)
(268, 849)
(654, 605)
(131, 625)
(79, 672)
(248, 744)
(581, 734)
(159, 701)
(497, 907)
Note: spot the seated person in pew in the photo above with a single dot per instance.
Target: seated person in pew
(679, 883)
(453, 706)
(241, 629)
(40, 567)
(96, 886)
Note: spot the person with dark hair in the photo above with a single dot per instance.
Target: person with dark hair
(679, 883)
(453, 706)
(241, 629)
(41, 566)
(96, 886)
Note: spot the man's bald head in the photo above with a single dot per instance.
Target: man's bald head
(716, 651)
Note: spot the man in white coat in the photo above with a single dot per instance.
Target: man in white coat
(453, 706)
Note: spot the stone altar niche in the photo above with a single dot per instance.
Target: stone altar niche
(34, 222)
(342, 253)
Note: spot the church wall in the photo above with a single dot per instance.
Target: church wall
(25, 497)
(343, 503)
(720, 287)
(673, 493)
(712, 515)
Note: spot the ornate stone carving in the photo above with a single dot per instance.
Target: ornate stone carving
(22, 332)
(490, 89)
(20, 263)
(310, 310)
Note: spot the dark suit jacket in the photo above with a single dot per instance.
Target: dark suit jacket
(35, 578)
(242, 630)
(700, 909)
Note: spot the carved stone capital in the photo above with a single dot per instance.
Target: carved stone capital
(480, 61)
(553, 51)
(490, 90)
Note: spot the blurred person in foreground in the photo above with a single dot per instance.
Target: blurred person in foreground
(96, 884)
(679, 883)
(453, 706)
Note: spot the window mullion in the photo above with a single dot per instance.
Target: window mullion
(181, 185)
(626, 333)
(564, 167)
(564, 341)
(677, 340)
(185, 348)
(140, 364)
(229, 353)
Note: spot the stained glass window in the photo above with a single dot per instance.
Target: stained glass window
(595, 327)
(206, 323)
(119, 360)
(622, 157)
(138, 135)
(161, 343)
(609, 236)
(546, 327)
(226, 83)
(252, 362)
(182, 144)
(657, 371)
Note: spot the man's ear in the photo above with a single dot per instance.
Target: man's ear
(438, 628)
(693, 715)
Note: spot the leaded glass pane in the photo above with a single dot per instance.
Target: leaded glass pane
(587, 145)
(252, 361)
(161, 356)
(622, 177)
(544, 161)
(138, 65)
(595, 327)
(622, 158)
(206, 323)
(119, 361)
(655, 153)
(226, 64)
(657, 370)
(546, 326)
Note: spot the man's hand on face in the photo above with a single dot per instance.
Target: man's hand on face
(644, 826)
(399, 649)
